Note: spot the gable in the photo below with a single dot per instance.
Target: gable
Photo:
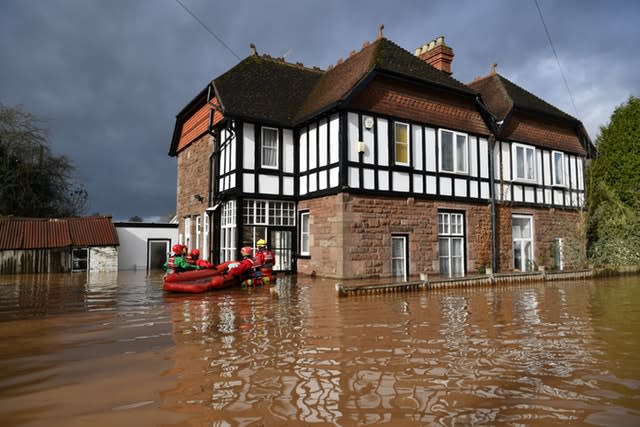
(382, 56)
(198, 124)
(422, 104)
(555, 135)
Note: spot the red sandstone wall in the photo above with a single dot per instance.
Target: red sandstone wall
(547, 225)
(193, 178)
(364, 226)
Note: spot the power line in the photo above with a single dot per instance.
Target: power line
(557, 59)
(208, 29)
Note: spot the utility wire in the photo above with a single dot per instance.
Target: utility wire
(208, 29)
(557, 59)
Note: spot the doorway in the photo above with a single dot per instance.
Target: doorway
(157, 253)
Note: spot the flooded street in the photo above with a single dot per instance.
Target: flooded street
(112, 349)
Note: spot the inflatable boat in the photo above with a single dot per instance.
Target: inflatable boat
(196, 281)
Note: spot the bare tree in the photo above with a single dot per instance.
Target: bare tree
(33, 181)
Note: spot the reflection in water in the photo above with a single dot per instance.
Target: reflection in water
(296, 354)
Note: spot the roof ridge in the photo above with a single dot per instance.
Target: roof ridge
(282, 60)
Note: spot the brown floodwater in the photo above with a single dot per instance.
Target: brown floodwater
(112, 349)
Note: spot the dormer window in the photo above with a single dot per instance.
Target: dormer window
(269, 149)
(453, 152)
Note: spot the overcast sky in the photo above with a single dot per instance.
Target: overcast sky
(109, 76)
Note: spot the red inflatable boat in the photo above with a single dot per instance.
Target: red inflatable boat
(196, 281)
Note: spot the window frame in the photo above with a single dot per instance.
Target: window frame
(525, 163)
(305, 242)
(520, 243)
(275, 148)
(228, 228)
(450, 232)
(455, 155)
(555, 174)
(406, 144)
(403, 258)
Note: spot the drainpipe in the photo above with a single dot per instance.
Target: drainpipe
(492, 196)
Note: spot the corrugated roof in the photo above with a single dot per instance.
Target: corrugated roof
(47, 233)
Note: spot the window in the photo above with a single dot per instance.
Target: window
(228, 231)
(521, 230)
(304, 233)
(402, 143)
(451, 243)
(269, 152)
(79, 257)
(558, 168)
(269, 212)
(558, 253)
(525, 164)
(453, 152)
(187, 232)
(399, 257)
(198, 232)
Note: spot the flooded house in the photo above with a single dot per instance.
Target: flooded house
(58, 245)
(383, 165)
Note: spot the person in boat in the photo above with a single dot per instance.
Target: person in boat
(245, 268)
(177, 262)
(194, 258)
(265, 258)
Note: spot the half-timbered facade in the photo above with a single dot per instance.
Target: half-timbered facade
(380, 166)
(539, 184)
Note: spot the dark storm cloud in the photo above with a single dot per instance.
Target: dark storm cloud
(110, 76)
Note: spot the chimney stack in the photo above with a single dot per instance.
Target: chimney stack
(437, 54)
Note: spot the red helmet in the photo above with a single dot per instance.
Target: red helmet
(195, 253)
(246, 251)
(177, 249)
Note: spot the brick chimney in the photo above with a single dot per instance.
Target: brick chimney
(437, 54)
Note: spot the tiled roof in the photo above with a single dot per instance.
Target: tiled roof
(383, 56)
(265, 89)
(530, 119)
(271, 90)
(45, 233)
(501, 96)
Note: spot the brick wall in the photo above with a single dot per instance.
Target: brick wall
(388, 97)
(193, 178)
(365, 226)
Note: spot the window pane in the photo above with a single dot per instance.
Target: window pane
(519, 162)
(304, 233)
(443, 223)
(402, 156)
(530, 164)
(269, 147)
(443, 249)
(402, 143)
(461, 153)
(398, 257)
(557, 169)
(446, 154)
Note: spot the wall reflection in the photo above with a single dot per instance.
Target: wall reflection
(299, 353)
